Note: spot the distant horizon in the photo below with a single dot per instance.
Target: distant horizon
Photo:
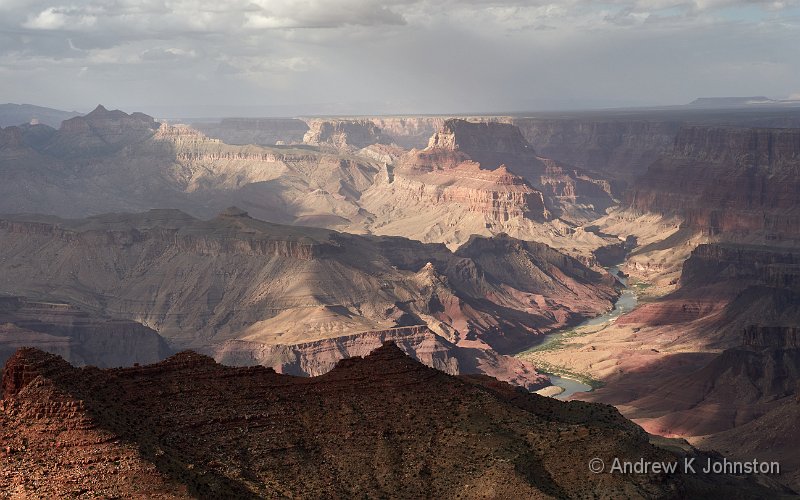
(222, 111)
(368, 57)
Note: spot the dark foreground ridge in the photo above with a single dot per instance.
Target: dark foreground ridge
(380, 426)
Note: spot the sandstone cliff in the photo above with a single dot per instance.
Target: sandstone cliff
(409, 131)
(492, 144)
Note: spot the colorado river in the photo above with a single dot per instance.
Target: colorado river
(625, 303)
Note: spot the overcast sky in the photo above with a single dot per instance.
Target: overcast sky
(287, 57)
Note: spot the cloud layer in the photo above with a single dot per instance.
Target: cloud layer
(194, 57)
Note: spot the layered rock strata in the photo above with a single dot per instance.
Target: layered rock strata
(344, 134)
(202, 283)
(259, 131)
(77, 336)
(741, 183)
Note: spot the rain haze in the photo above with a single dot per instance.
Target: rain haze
(283, 57)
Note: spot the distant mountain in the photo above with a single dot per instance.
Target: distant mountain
(730, 102)
(17, 114)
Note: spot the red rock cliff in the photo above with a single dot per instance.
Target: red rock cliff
(727, 180)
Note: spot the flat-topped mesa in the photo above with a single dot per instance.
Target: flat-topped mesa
(731, 181)
(498, 194)
(775, 337)
(476, 138)
(344, 134)
(192, 146)
(182, 134)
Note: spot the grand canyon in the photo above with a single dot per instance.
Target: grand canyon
(400, 250)
(647, 262)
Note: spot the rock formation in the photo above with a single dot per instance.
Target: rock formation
(77, 336)
(344, 134)
(258, 131)
(621, 145)
(202, 283)
(493, 144)
(732, 402)
(409, 131)
(101, 132)
(742, 300)
(320, 356)
(738, 182)
(382, 425)
(436, 195)
(621, 149)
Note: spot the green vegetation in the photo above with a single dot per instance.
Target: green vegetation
(566, 373)
(554, 341)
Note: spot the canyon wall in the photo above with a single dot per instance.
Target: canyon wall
(202, 283)
(775, 267)
(737, 182)
(619, 149)
(775, 337)
(79, 337)
(258, 131)
(496, 144)
(419, 342)
(344, 134)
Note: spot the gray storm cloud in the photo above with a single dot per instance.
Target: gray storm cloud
(194, 57)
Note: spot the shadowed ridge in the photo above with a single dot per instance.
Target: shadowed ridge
(234, 212)
(379, 426)
(379, 364)
(187, 358)
(101, 112)
(28, 363)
